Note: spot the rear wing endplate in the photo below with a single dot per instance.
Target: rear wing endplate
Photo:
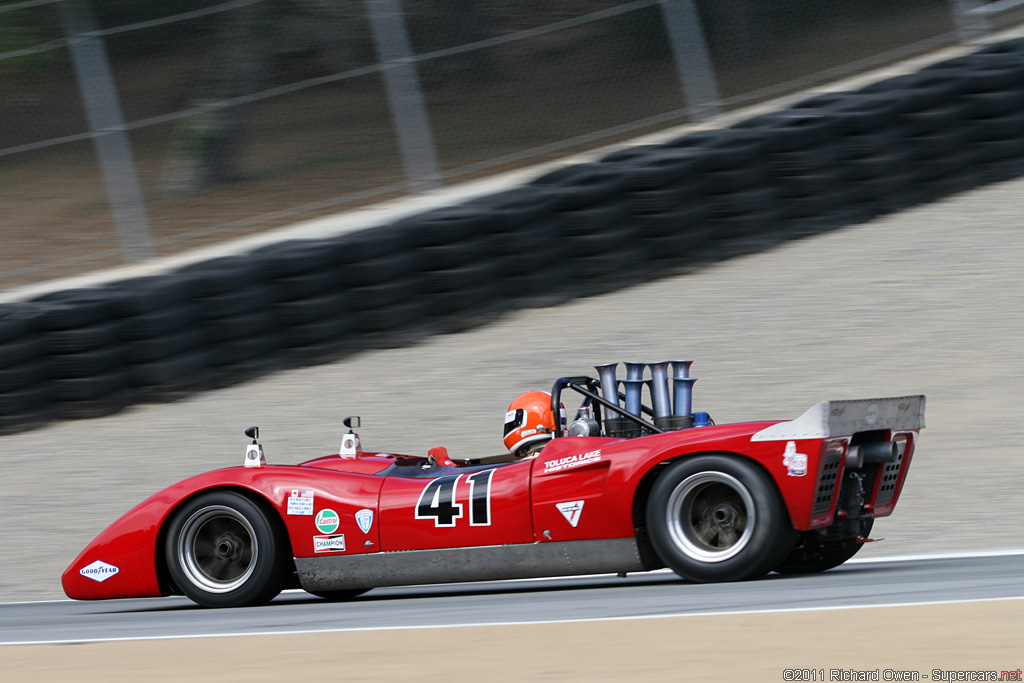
(845, 418)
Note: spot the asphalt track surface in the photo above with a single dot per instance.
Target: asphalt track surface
(911, 581)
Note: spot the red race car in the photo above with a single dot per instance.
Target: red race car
(623, 488)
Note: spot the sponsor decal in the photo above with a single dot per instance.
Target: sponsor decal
(332, 543)
(364, 518)
(871, 415)
(571, 511)
(570, 461)
(327, 521)
(99, 571)
(796, 463)
(300, 502)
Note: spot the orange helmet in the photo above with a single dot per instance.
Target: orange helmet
(529, 422)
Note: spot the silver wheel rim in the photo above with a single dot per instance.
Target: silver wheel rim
(711, 516)
(217, 549)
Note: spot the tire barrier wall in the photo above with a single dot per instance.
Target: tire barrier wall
(639, 213)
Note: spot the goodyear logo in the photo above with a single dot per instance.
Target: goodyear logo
(99, 571)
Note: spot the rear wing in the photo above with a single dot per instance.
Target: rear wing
(845, 418)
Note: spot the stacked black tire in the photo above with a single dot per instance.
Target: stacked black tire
(639, 213)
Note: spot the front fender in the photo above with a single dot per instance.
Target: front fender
(122, 562)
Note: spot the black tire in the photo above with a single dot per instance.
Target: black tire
(811, 556)
(16, 321)
(663, 199)
(72, 308)
(452, 255)
(314, 309)
(91, 387)
(667, 167)
(159, 322)
(22, 375)
(595, 218)
(453, 279)
(26, 400)
(87, 363)
(515, 208)
(339, 596)
(224, 550)
(298, 257)
(158, 348)
(81, 339)
(382, 269)
(221, 275)
(23, 421)
(249, 299)
(143, 295)
(443, 226)
(723, 149)
(384, 294)
(315, 332)
(582, 185)
(735, 527)
(89, 409)
(305, 285)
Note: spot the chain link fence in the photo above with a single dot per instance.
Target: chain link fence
(130, 130)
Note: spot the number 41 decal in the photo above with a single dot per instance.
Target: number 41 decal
(437, 502)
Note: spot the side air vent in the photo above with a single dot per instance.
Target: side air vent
(891, 475)
(825, 492)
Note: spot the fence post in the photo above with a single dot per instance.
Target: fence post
(971, 24)
(111, 142)
(405, 96)
(690, 51)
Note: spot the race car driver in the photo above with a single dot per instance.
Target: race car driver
(530, 424)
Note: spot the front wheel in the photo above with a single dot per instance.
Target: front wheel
(224, 550)
(718, 518)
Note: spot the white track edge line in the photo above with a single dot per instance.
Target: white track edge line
(726, 613)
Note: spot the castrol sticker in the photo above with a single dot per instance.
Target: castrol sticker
(327, 521)
(571, 461)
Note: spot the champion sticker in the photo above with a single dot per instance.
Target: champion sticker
(364, 518)
(571, 511)
(327, 521)
(796, 463)
(300, 502)
(333, 543)
(570, 461)
(99, 571)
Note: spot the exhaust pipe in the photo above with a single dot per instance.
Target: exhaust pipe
(682, 384)
(663, 416)
(634, 384)
(614, 424)
(609, 387)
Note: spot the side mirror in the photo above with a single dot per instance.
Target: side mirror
(253, 432)
(350, 422)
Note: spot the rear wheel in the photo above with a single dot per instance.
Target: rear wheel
(718, 518)
(224, 550)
